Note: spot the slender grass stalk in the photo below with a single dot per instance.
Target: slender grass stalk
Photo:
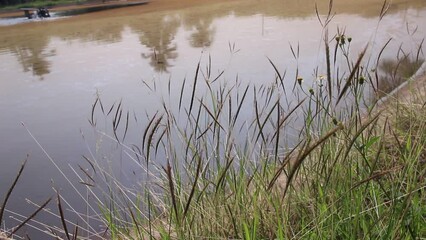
(10, 190)
(31, 216)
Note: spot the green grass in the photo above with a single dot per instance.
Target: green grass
(353, 171)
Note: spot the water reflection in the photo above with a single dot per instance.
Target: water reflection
(201, 26)
(34, 59)
(31, 46)
(32, 53)
(158, 35)
(158, 31)
(102, 32)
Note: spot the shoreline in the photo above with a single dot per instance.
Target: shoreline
(74, 6)
(150, 6)
(404, 90)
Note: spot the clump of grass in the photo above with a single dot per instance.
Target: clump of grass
(348, 173)
(340, 179)
(217, 162)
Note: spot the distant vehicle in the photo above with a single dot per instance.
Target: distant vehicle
(43, 13)
(31, 13)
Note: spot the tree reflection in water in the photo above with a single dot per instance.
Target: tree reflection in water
(203, 34)
(32, 55)
(158, 35)
(157, 30)
(32, 47)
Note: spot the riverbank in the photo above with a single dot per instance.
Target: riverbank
(153, 5)
(73, 6)
(412, 91)
(416, 83)
(159, 5)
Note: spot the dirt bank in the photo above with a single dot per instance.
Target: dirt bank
(153, 5)
(411, 91)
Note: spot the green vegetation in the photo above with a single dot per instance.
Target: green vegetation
(353, 170)
(360, 178)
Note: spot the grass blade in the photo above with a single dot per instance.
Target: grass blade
(194, 88)
(62, 216)
(9, 192)
(352, 74)
(306, 152)
(29, 218)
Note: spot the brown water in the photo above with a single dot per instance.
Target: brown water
(51, 71)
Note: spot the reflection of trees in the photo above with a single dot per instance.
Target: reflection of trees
(204, 33)
(157, 31)
(34, 59)
(31, 50)
(31, 53)
(158, 35)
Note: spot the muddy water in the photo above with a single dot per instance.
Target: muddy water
(52, 71)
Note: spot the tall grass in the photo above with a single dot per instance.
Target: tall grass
(351, 172)
(318, 161)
